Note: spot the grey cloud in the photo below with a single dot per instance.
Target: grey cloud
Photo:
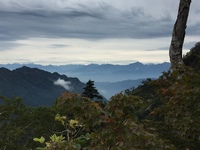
(160, 49)
(186, 45)
(193, 29)
(189, 45)
(83, 22)
(58, 45)
(163, 48)
(5, 45)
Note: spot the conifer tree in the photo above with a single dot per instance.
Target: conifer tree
(90, 91)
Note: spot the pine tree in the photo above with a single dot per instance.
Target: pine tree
(91, 91)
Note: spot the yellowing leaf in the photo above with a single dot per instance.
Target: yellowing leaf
(41, 139)
(55, 138)
(60, 118)
(73, 123)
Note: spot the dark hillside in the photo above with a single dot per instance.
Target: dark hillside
(35, 86)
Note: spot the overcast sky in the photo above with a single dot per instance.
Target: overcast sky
(91, 31)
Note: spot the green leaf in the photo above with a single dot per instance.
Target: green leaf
(56, 138)
(40, 148)
(41, 139)
(88, 136)
(77, 146)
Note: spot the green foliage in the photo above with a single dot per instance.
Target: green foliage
(178, 118)
(19, 124)
(173, 106)
(148, 91)
(115, 126)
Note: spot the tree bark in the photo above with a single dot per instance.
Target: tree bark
(178, 35)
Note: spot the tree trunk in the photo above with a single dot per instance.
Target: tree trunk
(178, 35)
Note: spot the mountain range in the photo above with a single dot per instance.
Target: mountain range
(43, 84)
(102, 72)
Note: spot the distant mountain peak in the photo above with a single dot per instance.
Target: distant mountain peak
(26, 68)
(4, 69)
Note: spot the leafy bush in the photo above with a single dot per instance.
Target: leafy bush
(178, 118)
(115, 126)
(19, 124)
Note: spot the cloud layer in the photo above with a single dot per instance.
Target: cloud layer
(73, 19)
(23, 23)
(89, 19)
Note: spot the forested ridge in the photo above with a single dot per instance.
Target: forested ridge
(159, 114)
(37, 87)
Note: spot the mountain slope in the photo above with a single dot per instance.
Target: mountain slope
(35, 86)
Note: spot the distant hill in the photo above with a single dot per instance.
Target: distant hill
(103, 72)
(35, 86)
(108, 89)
